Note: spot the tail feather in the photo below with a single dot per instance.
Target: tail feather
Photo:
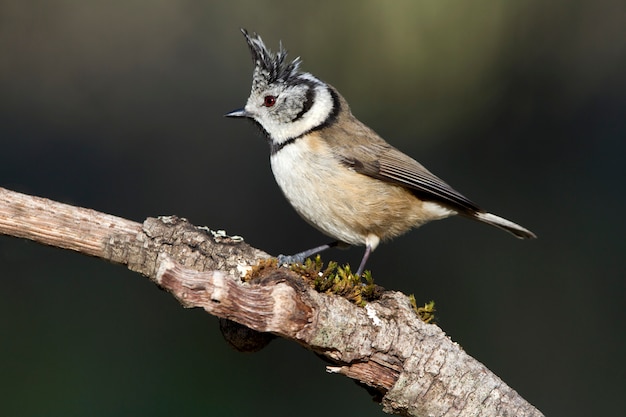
(504, 224)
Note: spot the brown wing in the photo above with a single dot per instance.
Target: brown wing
(369, 154)
(386, 163)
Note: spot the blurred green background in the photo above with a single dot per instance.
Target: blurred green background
(118, 106)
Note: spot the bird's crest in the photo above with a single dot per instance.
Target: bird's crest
(269, 68)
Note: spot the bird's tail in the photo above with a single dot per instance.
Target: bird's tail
(504, 224)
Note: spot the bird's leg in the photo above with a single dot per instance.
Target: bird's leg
(301, 256)
(366, 255)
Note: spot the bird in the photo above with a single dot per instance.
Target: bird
(338, 174)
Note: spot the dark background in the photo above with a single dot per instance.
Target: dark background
(117, 106)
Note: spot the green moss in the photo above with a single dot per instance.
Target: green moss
(258, 269)
(339, 280)
(425, 313)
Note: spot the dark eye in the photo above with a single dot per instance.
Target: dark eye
(269, 101)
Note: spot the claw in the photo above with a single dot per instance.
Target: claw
(292, 259)
(299, 258)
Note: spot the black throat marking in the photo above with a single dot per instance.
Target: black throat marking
(331, 119)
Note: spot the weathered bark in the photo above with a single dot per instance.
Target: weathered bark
(412, 367)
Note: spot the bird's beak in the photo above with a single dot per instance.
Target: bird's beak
(238, 113)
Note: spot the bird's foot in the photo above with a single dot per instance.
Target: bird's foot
(298, 258)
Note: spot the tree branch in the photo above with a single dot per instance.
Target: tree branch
(411, 367)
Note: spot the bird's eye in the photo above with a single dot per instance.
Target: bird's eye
(269, 101)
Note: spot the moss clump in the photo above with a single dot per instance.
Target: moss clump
(258, 269)
(339, 280)
(426, 313)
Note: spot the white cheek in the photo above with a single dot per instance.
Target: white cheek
(317, 114)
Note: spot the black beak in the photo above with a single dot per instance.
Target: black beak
(238, 113)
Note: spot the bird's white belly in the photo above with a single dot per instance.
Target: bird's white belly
(306, 179)
(342, 203)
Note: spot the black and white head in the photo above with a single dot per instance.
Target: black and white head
(285, 102)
